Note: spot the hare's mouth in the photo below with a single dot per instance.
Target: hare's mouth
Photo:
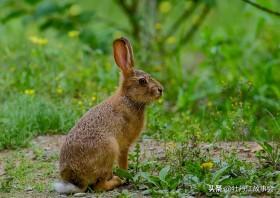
(157, 92)
(158, 95)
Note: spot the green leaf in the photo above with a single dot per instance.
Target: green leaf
(173, 183)
(266, 147)
(48, 8)
(124, 174)
(210, 2)
(14, 14)
(218, 174)
(223, 178)
(181, 99)
(32, 2)
(164, 172)
(150, 178)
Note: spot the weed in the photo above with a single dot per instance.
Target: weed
(269, 156)
(24, 117)
(189, 170)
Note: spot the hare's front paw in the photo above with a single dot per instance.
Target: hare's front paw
(117, 180)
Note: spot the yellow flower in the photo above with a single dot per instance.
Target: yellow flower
(158, 26)
(171, 40)
(93, 98)
(80, 102)
(29, 92)
(38, 41)
(160, 101)
(165, 7)
(73, 33)
(59, 90)
(207, 165)
(74, 10)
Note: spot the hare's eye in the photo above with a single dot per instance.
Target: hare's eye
(142, 81)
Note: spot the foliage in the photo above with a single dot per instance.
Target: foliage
(193, 178)
(32, 116)
(270, 155)
(145, 19)
(27, 174)
(223, 84)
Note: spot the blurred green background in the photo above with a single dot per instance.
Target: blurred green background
(218, 60)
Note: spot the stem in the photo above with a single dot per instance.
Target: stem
(262, 8)
(131, 13)
(182, 18)
(194, 28)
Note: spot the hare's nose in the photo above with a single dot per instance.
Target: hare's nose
(160, 90)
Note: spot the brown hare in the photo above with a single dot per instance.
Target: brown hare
(105, 133)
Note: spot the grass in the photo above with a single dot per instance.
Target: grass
(226, 89)
(186, 169)
(31, 116)
(190, 171)
(224, 86)
(23, 174)
(46, 88)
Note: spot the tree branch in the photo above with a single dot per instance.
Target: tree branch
(183, 17)
(131, 12)
(194, 27)
(262, 8)
(134, 5)
(124, 5)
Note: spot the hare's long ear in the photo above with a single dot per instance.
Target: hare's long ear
(123, 55)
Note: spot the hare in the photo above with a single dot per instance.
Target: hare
(105, 133)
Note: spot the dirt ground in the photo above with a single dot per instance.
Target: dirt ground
(149, 149)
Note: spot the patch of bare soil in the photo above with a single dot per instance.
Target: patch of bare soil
(150, 148)
(244, 150)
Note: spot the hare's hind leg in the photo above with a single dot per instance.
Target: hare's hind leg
(104, 185)
(106, 180)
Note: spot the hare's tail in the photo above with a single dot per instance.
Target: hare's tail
(66, 187)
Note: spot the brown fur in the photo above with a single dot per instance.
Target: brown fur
(105, 133)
